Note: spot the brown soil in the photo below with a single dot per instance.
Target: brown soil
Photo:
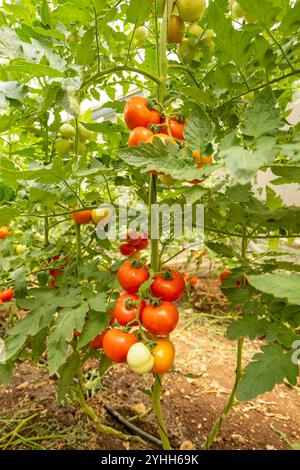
(190, 405)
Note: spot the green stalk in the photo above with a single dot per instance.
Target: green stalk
(46, 231)
(156, 394)
(230, 402)
(78, 242)
(162, 65)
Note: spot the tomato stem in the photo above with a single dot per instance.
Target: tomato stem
(78, 242)
(46, 231)
(156, 394)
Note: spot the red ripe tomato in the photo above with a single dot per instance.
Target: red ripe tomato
(1, 301)
(169, 285)
(7, 295)
(133, 237)
(160, 319)
(131, 275)
(82, 217)
(97, 343)
(176, 128)
(126, 308)
(76, 332)
(126, 249)
(164, 354)
(224, 274)
(4, 232)
(116, 344)
(137, 135)
(194, 281)
(143, 244)
(137, 113)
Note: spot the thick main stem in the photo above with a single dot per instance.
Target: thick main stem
(46, 232)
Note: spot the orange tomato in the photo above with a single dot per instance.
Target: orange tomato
(82, 217)
(137, 113)
(163, 137)
(139, 134)
(164, 354)
(4, 232)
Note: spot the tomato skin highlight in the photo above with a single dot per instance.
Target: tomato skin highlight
(161, 319)
(125, 314)
(191, 10)
(164, 355)
(131, 278)
(116, 344)
(140, 359)
(7, 295)
(82, 217)
(168, 289)
(139, 134)
(137, 114)
(126, 249)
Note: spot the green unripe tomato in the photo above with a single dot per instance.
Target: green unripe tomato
(187, 51)
(208, 39)
(63, 146)
(191, 10)
(195, 30)
(140, 359)
(73, 38)
(167, 180)
(20, 249)
(67, 131)
(84, 133)
(140, 34)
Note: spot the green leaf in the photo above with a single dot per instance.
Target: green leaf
(62, 333)
(93, 327)
(11, 91)
(249, 326)
(194, 194)
(268, 368)
(273, 200)
(45, 198)
(265, 13)
(66, 374)
(138, 11)
(262, 117)
(221, 249)
(199, 132)
(6, 371)
(35, 70)
(98, 303)
(45, 13)
(283, 286)
(104, 365)
(242, 164)
(6, 193)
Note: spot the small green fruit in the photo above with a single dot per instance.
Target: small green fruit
(67, 131)
(84, 133)
(63, 146)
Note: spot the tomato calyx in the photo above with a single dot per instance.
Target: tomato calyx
(178, 118)
(155, 301)
(130, 304)
(167, 274)
(135, 263)
(154, 105)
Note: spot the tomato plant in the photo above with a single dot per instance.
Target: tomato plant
(183, 103)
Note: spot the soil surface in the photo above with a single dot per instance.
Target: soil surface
(194, 397)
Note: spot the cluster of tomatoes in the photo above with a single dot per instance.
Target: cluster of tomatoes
(85, 216)
(135, 242)
(6, 295)
(66, 142)
(140, 324)
(147, 123)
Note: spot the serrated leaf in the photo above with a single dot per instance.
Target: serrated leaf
(94, 326)
(45, 198)
(283, 286)
(249, 326)
(66, 374)
(273, 200)
(138, 12)
(262, 117)
(267, 369)
(98, 303)
(199, 132)
(221, 249)
(62, 333)
(6, 193)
